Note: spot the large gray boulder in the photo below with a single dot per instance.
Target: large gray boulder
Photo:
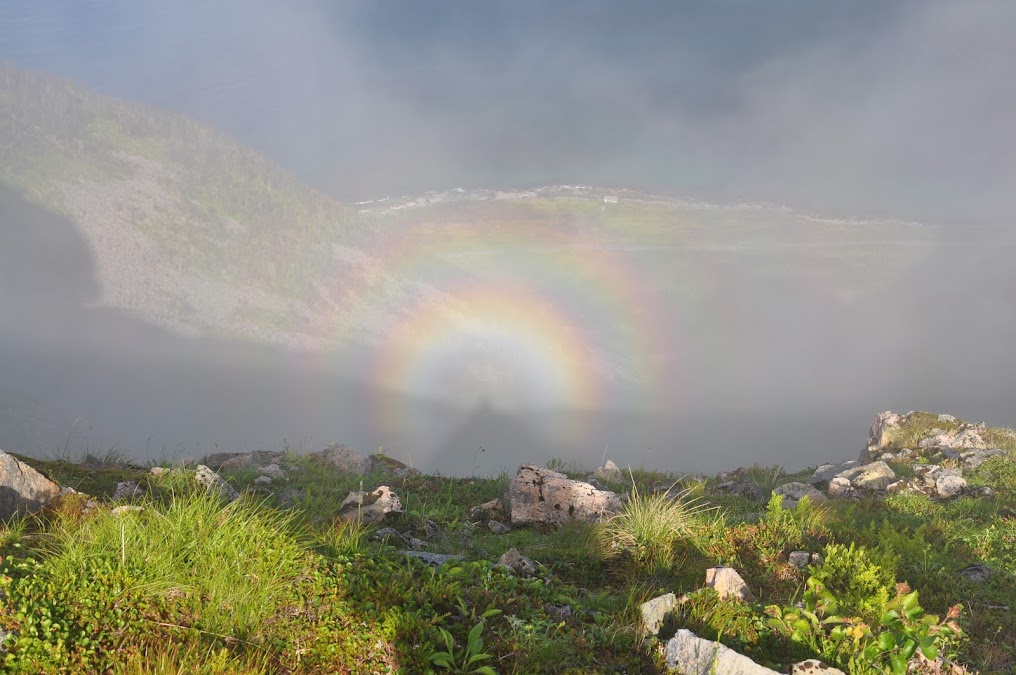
(22, 488)
(539, 495)
(689, 654)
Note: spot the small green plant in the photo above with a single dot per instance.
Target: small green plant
(466, 660)
(861, 580)
(765, 479)
(901, 629)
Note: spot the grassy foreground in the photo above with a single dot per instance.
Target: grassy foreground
(275, 583)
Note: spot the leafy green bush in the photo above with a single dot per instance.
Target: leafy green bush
(900, 629)
(861, 580)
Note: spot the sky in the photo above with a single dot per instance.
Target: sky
(864, 109)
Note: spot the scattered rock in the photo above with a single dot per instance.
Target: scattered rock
(22, 488)
(391, 466)
(879, 436)
(946, 418)
(127, 489)
(387, 533)
(967, 438)
(414, 543)
(871, 477)
(518, 562)
(947, 486)
(655, 611)
(272, 471)
(976, 573)
(370, 507)
(430, 529)
(728, 583)
(495, 507)
(558, 611)
(823, 474)
(841, 487)
(213, 482)
(794, 492)
(539, 495)
(692, 655)
(433, 559)
(609, 473)
(799, 559)
(972, 459)
(814, 667)
(230, 462)
(497, 527)
(344, 459)
(263, 480)
(290, 497)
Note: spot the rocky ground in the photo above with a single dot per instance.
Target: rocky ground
(762, 559)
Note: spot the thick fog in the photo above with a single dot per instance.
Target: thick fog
(859, 110)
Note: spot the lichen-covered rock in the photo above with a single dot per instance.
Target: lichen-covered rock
(609, 473)
(487, 510)
(655, 611)
(213, 482)
(22, 488)
(370, 507)
(841, 487)
(794, 492)
(728, 583)
(539, 495)
(947, 486)
(518, 562)
(879, 435)
(344, 459)
(873, 476)
(799, 559)
(825, 473)
(968, 438)
(497, 527)
(127, 489)
(689, 654)
(814, 667)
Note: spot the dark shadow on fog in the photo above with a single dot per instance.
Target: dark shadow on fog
(71, 375)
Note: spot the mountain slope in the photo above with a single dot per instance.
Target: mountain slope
(185, 226)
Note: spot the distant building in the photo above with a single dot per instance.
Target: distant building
(610, 199)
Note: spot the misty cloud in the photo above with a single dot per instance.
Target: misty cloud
(861, 110)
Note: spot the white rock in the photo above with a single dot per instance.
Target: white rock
(609, 473)
(841, 487)
(539, 495)
(949, 486)
(814, 667)
(370, 507)
(272, 471)
(22, 488)
(873, 476)
(728, 583)
(518, 562)
(691, 655)
(794, 492)
(655, 611)
(213, 482)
